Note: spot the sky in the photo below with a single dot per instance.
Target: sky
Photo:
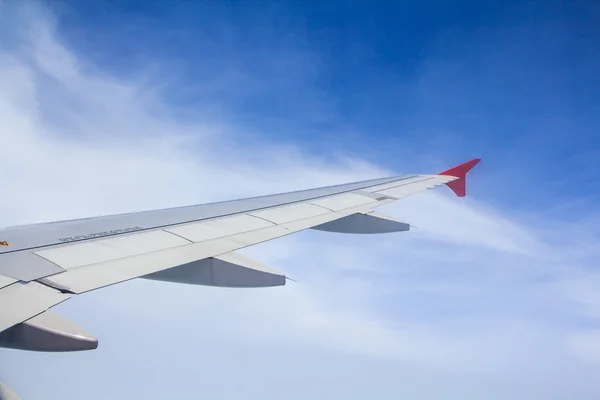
(110, 107)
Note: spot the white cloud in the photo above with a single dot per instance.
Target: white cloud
(472, 297)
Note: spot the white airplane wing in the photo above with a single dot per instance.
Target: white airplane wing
(45, 264)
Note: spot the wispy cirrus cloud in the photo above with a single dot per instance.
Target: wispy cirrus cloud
(474, 298)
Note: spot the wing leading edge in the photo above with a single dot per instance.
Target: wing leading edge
(48, 263)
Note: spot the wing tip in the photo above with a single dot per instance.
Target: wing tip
(459, 186)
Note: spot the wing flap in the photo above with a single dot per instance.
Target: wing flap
(101, 250)
(83, 279)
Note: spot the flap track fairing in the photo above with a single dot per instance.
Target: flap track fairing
(368, 223)
(227, 270)
(48, 332)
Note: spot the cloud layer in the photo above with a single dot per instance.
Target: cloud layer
(473, 302)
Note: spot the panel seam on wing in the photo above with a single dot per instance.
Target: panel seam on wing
(254, 216)
(317, 205)
(175, 234)
(49, 261)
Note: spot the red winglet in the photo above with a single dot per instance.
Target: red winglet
(459, 186)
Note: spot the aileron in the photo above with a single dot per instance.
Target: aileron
(406, 189)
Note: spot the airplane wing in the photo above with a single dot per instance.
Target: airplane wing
(42, 265)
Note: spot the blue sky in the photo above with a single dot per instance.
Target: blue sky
(113, 107)
(511, 82)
